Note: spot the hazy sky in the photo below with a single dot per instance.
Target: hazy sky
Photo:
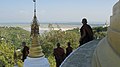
(56, 10)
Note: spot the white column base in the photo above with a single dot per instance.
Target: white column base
(36, 62)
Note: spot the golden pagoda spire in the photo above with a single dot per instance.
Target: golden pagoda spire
(35, 49)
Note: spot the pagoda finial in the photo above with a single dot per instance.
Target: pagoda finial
(34, 8)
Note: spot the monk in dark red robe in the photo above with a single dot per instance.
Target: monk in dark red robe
(59, 55)
(86, 32)
(25, 51)
(69, 49)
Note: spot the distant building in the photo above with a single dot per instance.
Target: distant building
(106, 24)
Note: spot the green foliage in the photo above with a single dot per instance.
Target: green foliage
(76, 30)
(6, 54)
(10, 39)
(99, 29)
(49, 39)
(15, 35)
(52, 61)
(99, 32)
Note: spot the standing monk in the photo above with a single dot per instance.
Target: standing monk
(69, 49)
(25, 51)
(59, 55)
(86, 32)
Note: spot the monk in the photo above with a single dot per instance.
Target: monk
(59, 55)
(25, 51)
(86, 32)
(69, 49)
(107, 53)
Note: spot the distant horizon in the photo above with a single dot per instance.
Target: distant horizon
(44, 26)
(53, 22)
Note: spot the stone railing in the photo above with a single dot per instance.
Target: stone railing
(82, 56)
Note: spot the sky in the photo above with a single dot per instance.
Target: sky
(96, 11)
